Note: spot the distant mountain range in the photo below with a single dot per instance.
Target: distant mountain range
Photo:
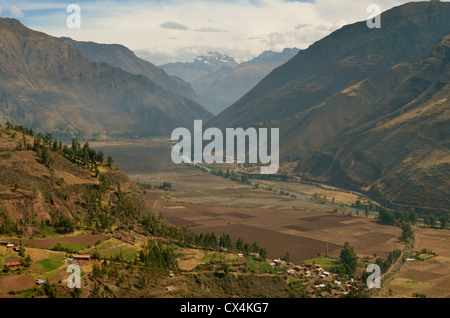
(218, 80)
(222, 88)
(201, 66)
(366, 109)
(47, 84)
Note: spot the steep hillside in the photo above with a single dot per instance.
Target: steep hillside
(47, 84)
(339, 60)
(46, 183)
(122, 57)
(399, 151)
(365, 109)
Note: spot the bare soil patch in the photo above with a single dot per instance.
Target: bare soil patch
(18, 282)
(297, 228)
(83, 240)
(420, 275)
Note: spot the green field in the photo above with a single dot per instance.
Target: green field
(424, 257)
(69, 248)
(51, 263)
(115, 249)
(47, 231)
(259, 267)
(410, 283)
(207, 257)
(327, 263)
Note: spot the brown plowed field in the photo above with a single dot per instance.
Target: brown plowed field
(18, 282)
(430, 277)
(83, 240)
(302, 233)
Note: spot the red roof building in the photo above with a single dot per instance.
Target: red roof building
(10, 264)
(82, 257)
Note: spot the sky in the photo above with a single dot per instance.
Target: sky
(179, 30)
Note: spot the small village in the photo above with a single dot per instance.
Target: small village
(13, 263)
(319, 281)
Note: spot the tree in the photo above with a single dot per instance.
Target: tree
(48, 138)
(75, 145)
(286, 257)
(40, 136)
(244, 179)
(64, 225)
(348, 259)
(407, 232)
(240, 245)
(386, 217)
(100, 157)
(263, 253)
(55, 145)
(51, 290)
(432, 220)
(109, 161)
(411, 217)
(444, 220)
(22, 251)
(45, 157)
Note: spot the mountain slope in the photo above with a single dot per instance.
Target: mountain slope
(122, 57)
(46, 84)
(403, 155)
(341, 59)
(222, 88)
(368, 113)
(34, 190)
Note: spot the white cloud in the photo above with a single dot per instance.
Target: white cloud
(208, 29)
(16, 12)
(173, 25)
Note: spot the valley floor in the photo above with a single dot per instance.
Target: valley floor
(311, 229)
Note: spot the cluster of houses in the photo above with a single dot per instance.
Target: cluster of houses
(16, 249)
(10, 245)
(40, 281)
(316, 271)
(310, 271)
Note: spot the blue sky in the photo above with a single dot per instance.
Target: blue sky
(179, 30)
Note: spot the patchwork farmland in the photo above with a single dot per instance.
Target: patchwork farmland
(429, 274)
(209, 203)
(301, 233)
